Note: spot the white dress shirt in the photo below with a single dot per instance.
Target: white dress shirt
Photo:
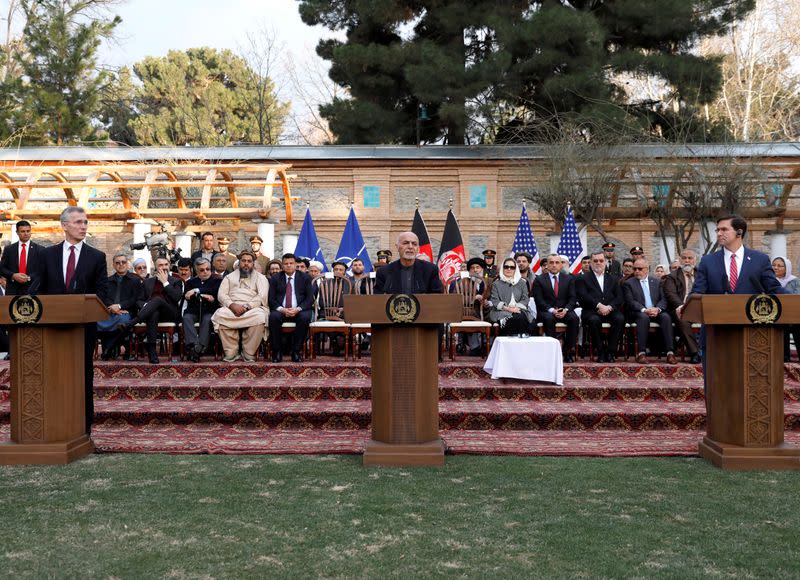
(65, 255)
(739, 261)
(600, 279)
(294, 293)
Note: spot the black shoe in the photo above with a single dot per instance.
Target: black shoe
(276, 358)
(108, 354)
(569, 358)
(296, 357)
(611, 358)
(695, 360)
(152, 356)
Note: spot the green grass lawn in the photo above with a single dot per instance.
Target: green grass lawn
(132, 516)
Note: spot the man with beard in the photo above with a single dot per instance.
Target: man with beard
(358, 276)
(676, 287)
(524, 260)
(243, 298)
(477, 272)
(200, 294)
(408, 275)
(158, 302)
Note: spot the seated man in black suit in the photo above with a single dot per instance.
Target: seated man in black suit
(159, 302)
(600, 297)
(200, 293)
(124, 290)
(646, 303)
(408, 275)
(291, 298)
(20, 261)
(554, 292)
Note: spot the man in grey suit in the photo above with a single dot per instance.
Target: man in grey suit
(646, 303)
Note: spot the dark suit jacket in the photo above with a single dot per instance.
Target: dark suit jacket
(545, 297)
(614, 267)
(710, 276)
(195, 304)
(9, 265)
(634, 296)
(91, 276)
(173, 291)
(426, 279)
(673, 285)
(590, 294)
(131, 292)
(303, 291)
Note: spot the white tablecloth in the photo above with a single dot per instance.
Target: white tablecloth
(536, 358)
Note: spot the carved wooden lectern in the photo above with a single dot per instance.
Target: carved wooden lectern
(47, 378)
(405, 374)
(744, 379)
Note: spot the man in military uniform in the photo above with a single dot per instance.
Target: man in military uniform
(384, 257)
(491, 268)
(255, 245)
(222, 245)
(613, 266)
(637, 252)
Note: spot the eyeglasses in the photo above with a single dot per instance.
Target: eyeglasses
(141, 268)
(639, 268)
(509, 267)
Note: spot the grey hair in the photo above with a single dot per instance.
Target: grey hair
(69, 210)
(120, 255)
(200, 261)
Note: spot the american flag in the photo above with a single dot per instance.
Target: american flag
(524, 241)
(570, 244)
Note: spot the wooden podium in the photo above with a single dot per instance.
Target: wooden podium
(405, 377)
(744, 382)
(47, 380)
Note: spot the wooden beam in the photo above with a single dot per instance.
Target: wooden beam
(205, 196)
(144, 195)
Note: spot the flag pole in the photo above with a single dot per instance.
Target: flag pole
(416, 201)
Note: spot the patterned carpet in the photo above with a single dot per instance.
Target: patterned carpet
(323, 406)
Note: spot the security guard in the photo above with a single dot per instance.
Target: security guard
(613, 266)
(491, 267)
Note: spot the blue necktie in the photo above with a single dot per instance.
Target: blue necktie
(648, 302)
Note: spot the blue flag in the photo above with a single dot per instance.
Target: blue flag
(524, 241)
(307, 243)
(570, 243)
(352, 245)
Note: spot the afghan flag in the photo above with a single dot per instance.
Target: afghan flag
(451, 253)
(421, 231)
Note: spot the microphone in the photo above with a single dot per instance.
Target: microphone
(756, 281)
(34, 287)
(726, 285)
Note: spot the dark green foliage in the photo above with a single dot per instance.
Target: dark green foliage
(515, 70)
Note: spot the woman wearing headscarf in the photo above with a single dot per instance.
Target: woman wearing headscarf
(791, 285)
(509, 304)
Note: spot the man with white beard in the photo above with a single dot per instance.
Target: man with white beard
(676, 286)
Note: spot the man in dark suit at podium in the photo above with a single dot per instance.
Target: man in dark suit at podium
(408, 275)
(291, 297)
(19, 262)
(73, 267)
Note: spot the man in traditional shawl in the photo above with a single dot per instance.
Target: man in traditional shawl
(243, 296)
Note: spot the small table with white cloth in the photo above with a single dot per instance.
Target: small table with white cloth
(535, 358)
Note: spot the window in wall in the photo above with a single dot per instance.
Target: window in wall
(660, 193)
(477, 196)
(372, 196)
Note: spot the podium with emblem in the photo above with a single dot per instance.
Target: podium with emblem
(47, 376)
(405, 373)
(744, 374)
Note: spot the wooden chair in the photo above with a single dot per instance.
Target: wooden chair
(360, 329)
(166, 332)
(472, 316)
(330, 311)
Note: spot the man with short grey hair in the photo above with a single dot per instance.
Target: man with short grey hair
(200, 293)
(124, 289)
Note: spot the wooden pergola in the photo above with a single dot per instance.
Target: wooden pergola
(188, 192)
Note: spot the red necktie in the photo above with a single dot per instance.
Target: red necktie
(23, 260)
(734, 273)
(288, 301)
(70, 267)
(555, 286)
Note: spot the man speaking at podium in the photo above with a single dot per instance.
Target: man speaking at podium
(74, 267)
(408, 275)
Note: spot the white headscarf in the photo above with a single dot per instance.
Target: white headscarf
(788, 276)
(516, 277)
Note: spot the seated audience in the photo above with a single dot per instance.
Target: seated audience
(124, 292)
(791, 285)
(274, 267)
(554, 293)
(676, 287)
(159, 302)
(140, 268)
(509, 304)
(660, 271)
(600, 297)
(291, 299)
(645, 304)
(243, 306)
(219, 265)
(627, 268)
(200, 294)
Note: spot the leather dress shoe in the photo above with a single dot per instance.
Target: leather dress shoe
(108, 354)
(695, 360)
(568, 358)
(641, 358)
(671, 360)
(296, 357)
(152, 357)
(276, 358)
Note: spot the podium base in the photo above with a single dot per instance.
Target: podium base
(59, 453)
(726, 456)
(404, 454)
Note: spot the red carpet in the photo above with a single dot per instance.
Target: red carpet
(323, 406)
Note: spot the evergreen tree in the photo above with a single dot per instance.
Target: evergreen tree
(204, 96)
(513, 70)
(54, 98)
